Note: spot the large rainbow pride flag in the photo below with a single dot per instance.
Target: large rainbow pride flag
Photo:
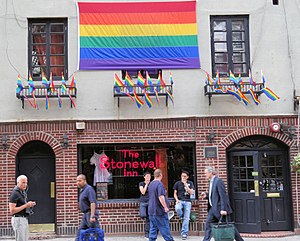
(138, 35)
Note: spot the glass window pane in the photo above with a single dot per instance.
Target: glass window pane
(278, 161)
(272, 161)
(57, 38)
(220, 25)
(279, 172)
(239, 57)
(251, 186)
(236, 173)
(56, 60)
(238, 46)
(39, 39)
(272, 172)
(249, 161)
(242, 161)
(249, 173)
(39, 49)
(236, 162)
(38, 28)
(236, 186)
(244, 187)
(57, 49)
(220, 36)
(237, 25)
(222, 68)
(221, 58)
(243, 173)
(239, 68)
(238, 36)
(57, 28)
(222, 47)
(56, 71)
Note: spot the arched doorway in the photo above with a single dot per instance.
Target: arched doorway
(260, 184)
(36, 160)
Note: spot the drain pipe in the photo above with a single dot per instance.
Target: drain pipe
(297, 192)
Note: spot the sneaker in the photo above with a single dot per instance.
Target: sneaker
(171, 214)
(184, 237)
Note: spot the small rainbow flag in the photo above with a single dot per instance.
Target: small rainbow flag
(63, 84)
(141, 80)
(45, 81)
(253, 95)
(171, 79)
(73, 82)
(170, 96)
(118, 83)
(138, 101)
(31, 85)
(148, 99)
(232, 78)
(148, 84)
(251, 81)
(128, 82)
(217, 81)
(232, 92)
(220, 90)
(208, 79)
(160, 82)
(270, 94)
(156, 96)
(52, 88)
(129, 95)
(244, 98)
(19, 85)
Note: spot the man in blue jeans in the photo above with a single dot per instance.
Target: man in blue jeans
(87, 205)
(183, 190)
(144, 202)
(158, 208)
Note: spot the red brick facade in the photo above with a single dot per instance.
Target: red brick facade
(113, 215)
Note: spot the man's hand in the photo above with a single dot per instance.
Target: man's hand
(223, 213)
(203, 194)
(166, 209)
(30, 204)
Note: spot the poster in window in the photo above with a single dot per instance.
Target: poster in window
(101, 191)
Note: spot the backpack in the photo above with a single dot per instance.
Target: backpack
(92, 234)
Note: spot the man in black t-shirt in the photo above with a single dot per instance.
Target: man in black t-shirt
(144, 202)
(183, 190)
(19, 207)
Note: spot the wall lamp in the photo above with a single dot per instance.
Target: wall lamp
(4, 142)
(211, 136)
(290, 131)
(65, 142)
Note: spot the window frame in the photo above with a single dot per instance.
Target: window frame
(228, 19)
(48, 22)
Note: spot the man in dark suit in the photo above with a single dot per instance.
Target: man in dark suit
(218, 203)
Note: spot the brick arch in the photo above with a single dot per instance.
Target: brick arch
(35, 136)
(249, 131)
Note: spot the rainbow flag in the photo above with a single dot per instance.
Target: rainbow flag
(244, 98)
(118, 83)
(169, 94)
(233, 79)
(217, 81)
(251, 81)
(45, 81)
(149, 85)
(19, 85)
(270, 94)
(63, 84)
(171, 79)
(160, 82)
(138, 101)
(235, 94)
(156, 96)
(128, 82)
(31, 85)
(52, 86)
(141, 80)
(138, 35)
(208, 79)
(253, 95)
(73, 82)
(148, 99)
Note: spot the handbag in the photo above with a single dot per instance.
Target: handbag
(223, 231)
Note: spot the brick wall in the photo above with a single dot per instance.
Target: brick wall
(227, 131)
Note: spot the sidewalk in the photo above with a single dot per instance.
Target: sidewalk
(177, 238)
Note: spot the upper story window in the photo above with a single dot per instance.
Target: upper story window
(133, 73)
(47, 46)
(230, 45)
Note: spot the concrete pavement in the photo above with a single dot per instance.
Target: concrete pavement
(177, 238)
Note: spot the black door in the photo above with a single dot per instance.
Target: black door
(259, 190)
(39, 167)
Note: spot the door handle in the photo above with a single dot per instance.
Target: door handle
(52, 189)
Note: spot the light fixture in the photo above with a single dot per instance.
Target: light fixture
(290, 131)
(4, 142)
(65, 142)
(211, 136)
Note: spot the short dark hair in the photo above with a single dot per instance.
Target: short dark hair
(146, 173)
(185, 172)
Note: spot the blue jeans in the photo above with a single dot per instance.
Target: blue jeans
(161, 223)
(183, 210)
(85, 224)
(144, 215)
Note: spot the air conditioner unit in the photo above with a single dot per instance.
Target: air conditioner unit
(80, 125)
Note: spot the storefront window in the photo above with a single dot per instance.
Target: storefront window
(122, 166)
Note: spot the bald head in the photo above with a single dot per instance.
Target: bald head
(81, 180)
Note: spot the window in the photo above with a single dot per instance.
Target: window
(230, 45)
(47, 46)
(122, 166)
(133, 73)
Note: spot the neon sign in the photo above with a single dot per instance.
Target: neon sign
(106, 163)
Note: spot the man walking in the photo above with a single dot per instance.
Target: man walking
(218, 203)
(158, 208)
(87, 205)
(183, 190)
(144, 202)
(19, 207)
